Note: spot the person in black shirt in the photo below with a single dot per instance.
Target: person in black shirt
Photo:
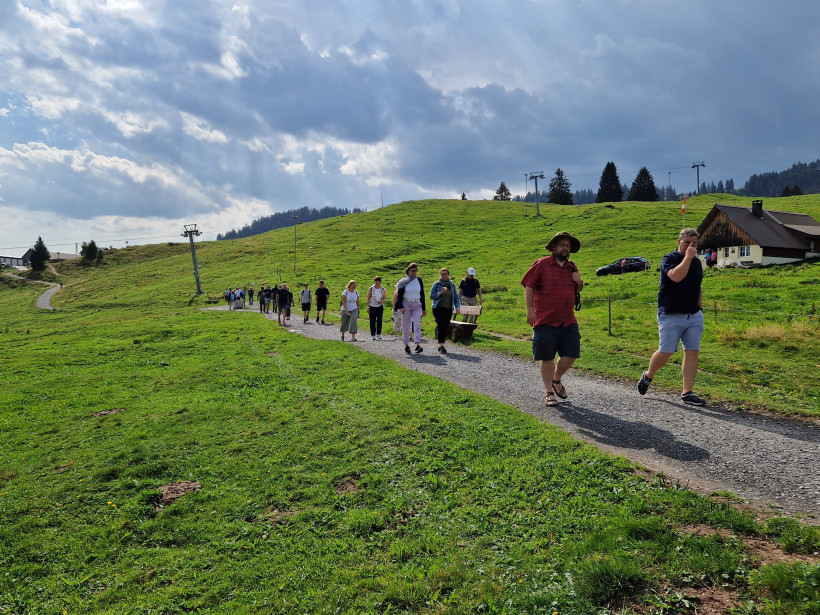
(680, 315)
(322, 294)
(469, 292)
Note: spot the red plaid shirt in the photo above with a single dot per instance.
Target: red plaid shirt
(553, 292)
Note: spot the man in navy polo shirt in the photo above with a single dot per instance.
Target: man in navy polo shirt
(680, 315)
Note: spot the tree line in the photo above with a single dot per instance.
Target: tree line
(284, 219)
(801, 178)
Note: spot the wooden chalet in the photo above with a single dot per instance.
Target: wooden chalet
(757, 236)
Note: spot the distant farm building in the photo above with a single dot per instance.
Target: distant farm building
(757, 236)
(17, 261)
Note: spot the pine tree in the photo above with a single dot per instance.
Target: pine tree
(643, 188)
(40, 255)
(503, 193)
(609, 188)
(89, 250)
(560, 189)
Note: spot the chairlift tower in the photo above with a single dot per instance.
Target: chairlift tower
(190, 232)
(697, 166)
(536, 175)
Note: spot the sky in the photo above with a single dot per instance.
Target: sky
(123, 120)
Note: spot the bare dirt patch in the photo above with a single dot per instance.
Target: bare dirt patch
(280, 517)
(702, 601)
(348, 484)
(107, 412)
(171, 492)
(764, 550)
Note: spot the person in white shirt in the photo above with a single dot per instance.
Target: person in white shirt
(304, 297)
(410, 302)
(376, 295)
(350, 311)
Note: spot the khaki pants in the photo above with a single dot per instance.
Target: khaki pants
(469, 301)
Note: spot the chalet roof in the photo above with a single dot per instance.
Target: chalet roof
(776, 229)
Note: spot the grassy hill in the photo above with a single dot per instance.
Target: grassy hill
(759, 349)
(329, 480)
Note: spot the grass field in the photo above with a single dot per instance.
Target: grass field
(759, 350)
(334, 481)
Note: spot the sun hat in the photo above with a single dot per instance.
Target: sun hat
(574, 244)
(470, 271)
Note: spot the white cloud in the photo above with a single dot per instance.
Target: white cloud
(201, 130)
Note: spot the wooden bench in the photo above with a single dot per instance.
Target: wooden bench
(464, 330)
(214, 299)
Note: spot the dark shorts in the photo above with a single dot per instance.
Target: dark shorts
(306, 307)
(547, 341)
(321, 305)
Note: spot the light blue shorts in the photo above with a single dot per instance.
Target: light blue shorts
(684, 328)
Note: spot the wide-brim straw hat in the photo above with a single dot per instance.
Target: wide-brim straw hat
(574, 244)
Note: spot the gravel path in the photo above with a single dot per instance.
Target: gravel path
(771, 462)
(43, 300)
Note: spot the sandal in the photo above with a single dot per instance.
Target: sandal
(549, 400)
(563, 392)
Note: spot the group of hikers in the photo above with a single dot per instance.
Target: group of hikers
(552, 289)
(409, 304)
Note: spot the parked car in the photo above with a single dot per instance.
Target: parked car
(633, 263)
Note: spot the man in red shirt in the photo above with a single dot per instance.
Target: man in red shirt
(549, 290)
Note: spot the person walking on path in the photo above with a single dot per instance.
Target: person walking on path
(376, 295)
(250, 296)
(469, 293)
(289, 303)
(410, 302)
(680, 315)
(549, 291)
(322, 294)
(445, 300)
(281, 303)
(350, 311)
(396, 316)
(304, 298)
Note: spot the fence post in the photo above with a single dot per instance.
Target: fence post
(609, 305)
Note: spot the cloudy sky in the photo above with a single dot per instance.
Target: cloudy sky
(122, 120)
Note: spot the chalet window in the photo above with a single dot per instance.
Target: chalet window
(745, 251)
(726, 252)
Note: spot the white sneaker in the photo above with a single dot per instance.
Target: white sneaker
(378, 337)
(372, 337)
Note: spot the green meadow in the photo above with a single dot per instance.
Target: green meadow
(330, 480)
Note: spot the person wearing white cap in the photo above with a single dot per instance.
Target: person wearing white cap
(469, 291)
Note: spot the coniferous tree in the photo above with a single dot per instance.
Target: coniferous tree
(89, 250)
(796, 191)
(786, 191)
(560, 191)
(643, 188)
(609, 188)
(40, 255)
(625, 190)
(503, 193)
